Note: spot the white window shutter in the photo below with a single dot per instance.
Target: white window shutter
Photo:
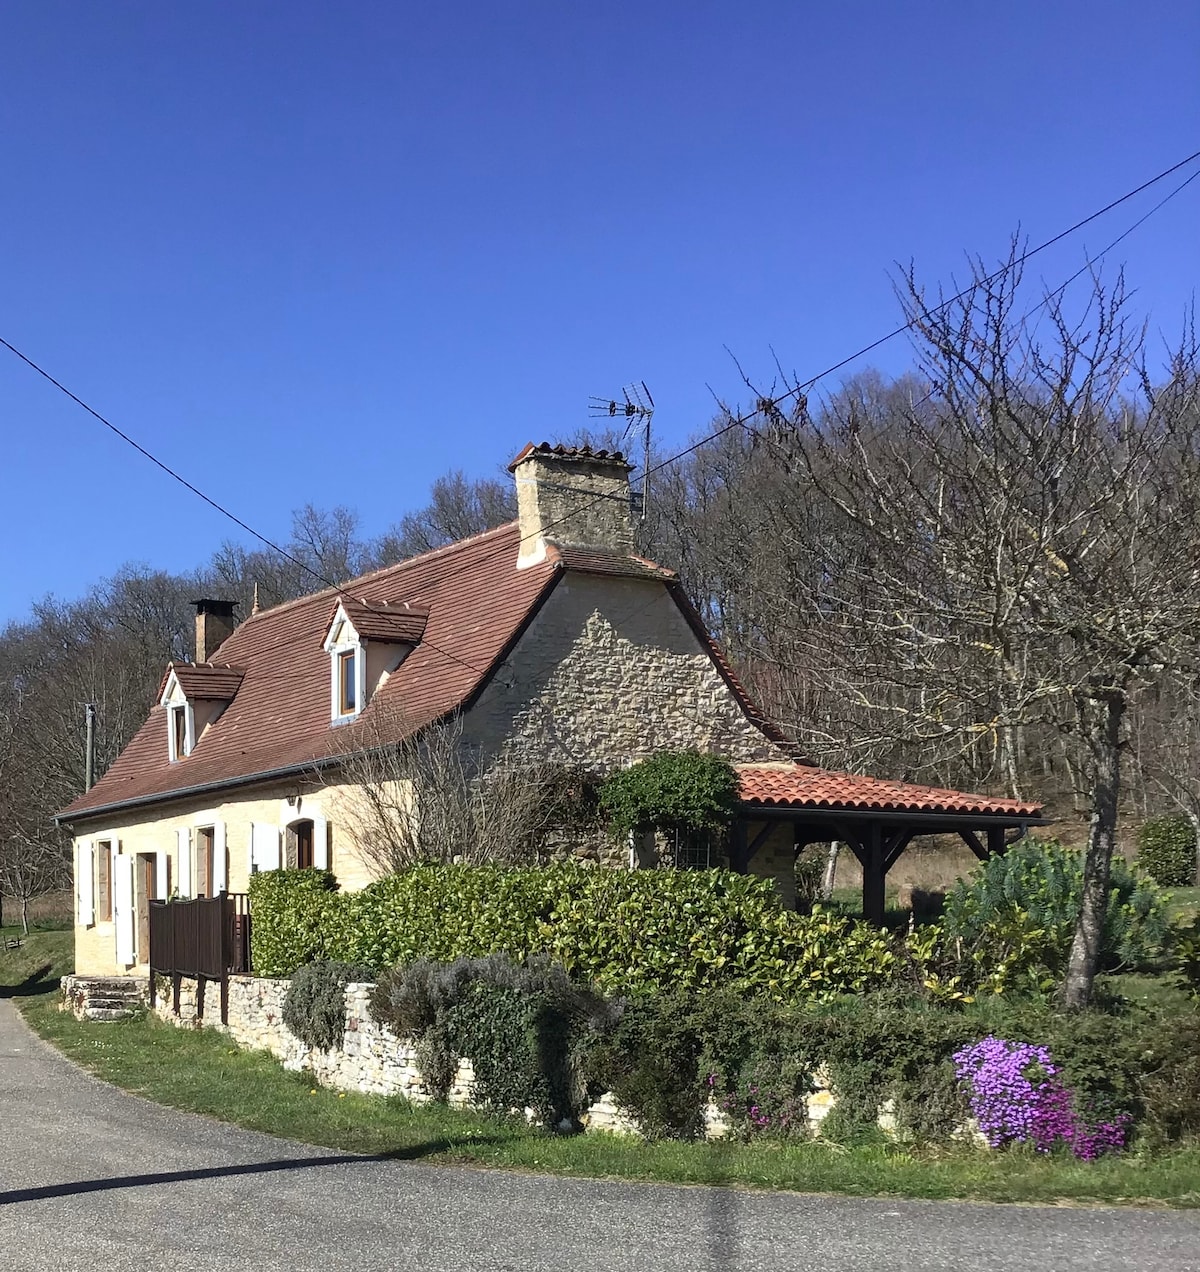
(122, 883)
(320, 843)
(264, 846)
(162, 875)
(220, 879)
(184, 881)
(87, 911)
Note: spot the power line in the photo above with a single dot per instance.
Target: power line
(735, 422)
(740, 421)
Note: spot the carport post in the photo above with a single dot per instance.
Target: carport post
(874, 875)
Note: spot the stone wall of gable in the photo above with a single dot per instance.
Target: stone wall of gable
(610, 672)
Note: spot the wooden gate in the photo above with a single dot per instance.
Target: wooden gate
(207, 938)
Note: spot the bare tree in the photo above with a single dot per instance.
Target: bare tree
(457, 509)
(425, 799)
(1019, 549)
(31, 867)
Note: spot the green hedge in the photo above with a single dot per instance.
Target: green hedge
(626, 931)
(1167, 850)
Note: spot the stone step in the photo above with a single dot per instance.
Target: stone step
(108, 1013)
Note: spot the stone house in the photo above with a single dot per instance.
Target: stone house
(548, 640)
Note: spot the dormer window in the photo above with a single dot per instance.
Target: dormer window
(181, 719)
(366, 643)
(195, 697)
(347, 652)
(179, 733)
(347, 673)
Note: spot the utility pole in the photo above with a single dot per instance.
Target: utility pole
(89, 753)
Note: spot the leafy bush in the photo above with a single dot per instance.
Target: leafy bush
(1019, 910)
(681, 790)
(650, 1061)
(522, 1025)
(293, 920)
(1169, 1078)
(626, 931)
(1167, 851)
(315, 1006)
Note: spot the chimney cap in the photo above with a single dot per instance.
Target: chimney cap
(211, 605)
(544, 450)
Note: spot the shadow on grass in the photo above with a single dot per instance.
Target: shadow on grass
(45, 1191)
(37, 982)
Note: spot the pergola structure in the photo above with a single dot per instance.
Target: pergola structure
(876, 819)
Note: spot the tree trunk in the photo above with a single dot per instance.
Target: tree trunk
(1194, 818)
(1105, 744)
(831, 864)
(24, 915)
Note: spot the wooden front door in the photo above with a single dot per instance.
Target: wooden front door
(145, 890)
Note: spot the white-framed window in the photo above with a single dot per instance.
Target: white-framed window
(347, 669)
(181, 720)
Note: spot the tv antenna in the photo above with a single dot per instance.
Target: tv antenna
(635, 406)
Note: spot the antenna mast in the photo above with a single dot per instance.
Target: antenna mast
(636, 406)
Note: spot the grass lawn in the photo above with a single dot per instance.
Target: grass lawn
(201, 1071)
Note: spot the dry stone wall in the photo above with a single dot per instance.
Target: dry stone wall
(372, 1059)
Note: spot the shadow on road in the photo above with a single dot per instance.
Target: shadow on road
(44, 1191)
(35, 983)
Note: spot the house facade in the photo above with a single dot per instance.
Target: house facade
(548, 641)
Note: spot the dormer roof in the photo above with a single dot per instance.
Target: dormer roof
(202, 682)
(399, 622)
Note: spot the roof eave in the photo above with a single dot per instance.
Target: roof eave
(946, 820)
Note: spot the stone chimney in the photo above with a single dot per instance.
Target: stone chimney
(576, 497)
(214, 625)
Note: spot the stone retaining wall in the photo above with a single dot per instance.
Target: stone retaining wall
(372, 1059)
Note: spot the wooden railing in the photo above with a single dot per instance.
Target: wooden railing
(207, 938)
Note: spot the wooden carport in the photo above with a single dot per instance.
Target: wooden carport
(876, 819)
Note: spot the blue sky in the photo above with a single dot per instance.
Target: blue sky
(324, 252)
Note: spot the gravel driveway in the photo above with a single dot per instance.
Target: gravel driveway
(93, 1178)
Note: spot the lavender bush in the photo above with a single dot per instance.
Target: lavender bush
(1017, 1096)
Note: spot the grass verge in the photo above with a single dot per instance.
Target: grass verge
(200, 1071)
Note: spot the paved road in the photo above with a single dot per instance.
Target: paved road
(92, 1178)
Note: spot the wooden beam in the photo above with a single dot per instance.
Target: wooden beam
(895, 846)
(849, 835)
(996, 841)
(972, 840)
(756, 843)
(737, 847)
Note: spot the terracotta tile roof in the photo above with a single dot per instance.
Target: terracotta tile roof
(400, 623)
(204, 681)
(477, 601)
(805, 786)
(599, 561)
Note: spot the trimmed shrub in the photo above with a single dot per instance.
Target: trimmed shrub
(650, 1061)
(1022, 908)
(315, 1006)
(626, 931)
(1167, 851)
(523, 1026)
(682, 791)
(293, 920)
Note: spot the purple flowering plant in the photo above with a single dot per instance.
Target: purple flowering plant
(1018, 1096)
